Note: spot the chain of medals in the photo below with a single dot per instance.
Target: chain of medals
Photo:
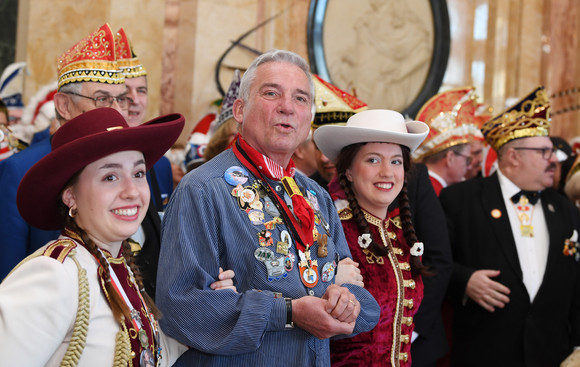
(525, 212)
(308, 267)
(146, 356)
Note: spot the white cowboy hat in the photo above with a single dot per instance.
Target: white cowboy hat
(383, 126)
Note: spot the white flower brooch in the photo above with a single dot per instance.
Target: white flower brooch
(417, 249)
(364, 240)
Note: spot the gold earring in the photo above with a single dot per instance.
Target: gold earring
(72, 212)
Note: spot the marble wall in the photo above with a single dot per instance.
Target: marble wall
(503, 47)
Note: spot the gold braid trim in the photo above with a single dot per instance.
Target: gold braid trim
(81, 326)
(122, 348)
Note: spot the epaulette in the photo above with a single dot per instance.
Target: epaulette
(345, 213)
(60, 249)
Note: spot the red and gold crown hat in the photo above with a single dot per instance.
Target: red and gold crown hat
(333, 105)
(450, 116)
(127, 61)
(529, 117)
(91, 60)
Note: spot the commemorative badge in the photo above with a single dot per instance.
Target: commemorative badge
(308, 269)
(289, 262)
(328, 271)
(265, 238)
(236, 175)
(256, 217)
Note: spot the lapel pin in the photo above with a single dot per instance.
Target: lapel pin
(496, 213)
(551, 208)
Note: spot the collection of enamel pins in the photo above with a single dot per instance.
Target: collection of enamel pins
(277, 256)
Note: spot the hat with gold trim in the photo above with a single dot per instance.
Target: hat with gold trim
(333, 105)
(127, 61)
(91, 60)
(529, 117)
(450, 116)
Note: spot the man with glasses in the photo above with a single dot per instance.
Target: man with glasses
(88, 78)
(515, 283)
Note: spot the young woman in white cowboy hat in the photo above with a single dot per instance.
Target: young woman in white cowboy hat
(372, 156)
(80, 300)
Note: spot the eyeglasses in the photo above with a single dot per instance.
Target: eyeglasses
(546, 152)
(468, 159)
(106, 100)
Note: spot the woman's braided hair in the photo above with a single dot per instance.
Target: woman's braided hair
(343, 162)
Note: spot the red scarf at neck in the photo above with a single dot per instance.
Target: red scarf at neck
(262, 166)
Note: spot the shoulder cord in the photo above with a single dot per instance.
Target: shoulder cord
(122, 348)
(81, 325)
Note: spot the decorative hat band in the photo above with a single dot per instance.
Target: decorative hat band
(529, 117)
(91, 71)
(332, 117)
(519, 133)
(445, 139)
(131, 68)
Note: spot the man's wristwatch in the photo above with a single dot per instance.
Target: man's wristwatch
(289, 323)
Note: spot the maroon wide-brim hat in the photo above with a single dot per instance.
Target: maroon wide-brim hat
(81, 141)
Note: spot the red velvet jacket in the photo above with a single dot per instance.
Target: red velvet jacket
(398, 292)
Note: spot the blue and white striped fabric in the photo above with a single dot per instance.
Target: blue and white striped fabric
(204, 229)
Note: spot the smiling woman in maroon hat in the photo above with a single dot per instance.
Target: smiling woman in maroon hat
(372, 156)
(78, 300)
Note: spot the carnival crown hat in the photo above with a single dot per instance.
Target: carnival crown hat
(227, 106)
(450, 116)
(127, 61)
(92, 59)
(529, 117)
(86, 138)
(382, 126)
(333, 105)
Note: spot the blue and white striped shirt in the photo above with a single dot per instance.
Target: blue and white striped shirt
(204, 229)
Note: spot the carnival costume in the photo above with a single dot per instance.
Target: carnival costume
(229, 213)
(56, 305)
(389, 279)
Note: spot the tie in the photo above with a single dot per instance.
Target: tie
(532, 196)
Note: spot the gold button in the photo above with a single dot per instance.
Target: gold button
(403, 356)
(409, 283)
(407, 320)
(397, 251)
(405, 339)
(405, 266)
(408, 303)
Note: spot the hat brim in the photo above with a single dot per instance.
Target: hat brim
(38, 195)
(331, 139)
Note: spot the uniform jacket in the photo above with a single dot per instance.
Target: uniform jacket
(539, 334)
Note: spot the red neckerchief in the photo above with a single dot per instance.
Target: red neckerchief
(262, 166)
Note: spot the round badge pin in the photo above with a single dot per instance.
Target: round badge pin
(236, 175)
(289, 261)
(496, 213)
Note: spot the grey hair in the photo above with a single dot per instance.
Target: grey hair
(274, 56)
(69, 88)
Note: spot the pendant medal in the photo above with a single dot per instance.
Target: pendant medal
(308, 269)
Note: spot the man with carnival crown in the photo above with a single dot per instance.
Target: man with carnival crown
(516, 279)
